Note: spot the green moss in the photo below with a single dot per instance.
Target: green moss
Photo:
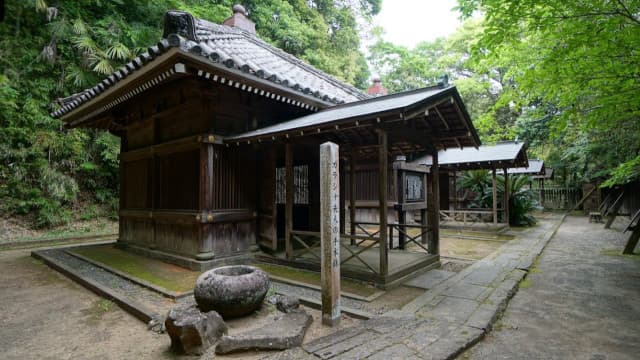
(98, 309)
(313, 278)
(525, 284)
(168, 276)
(618, 252)
(105, 305)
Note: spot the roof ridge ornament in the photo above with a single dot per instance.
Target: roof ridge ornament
(443, 81)
(240, 20)
(180, 23)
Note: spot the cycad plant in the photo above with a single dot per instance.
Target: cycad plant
(474, 184)
(521, 199)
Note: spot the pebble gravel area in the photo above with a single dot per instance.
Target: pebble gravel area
(161, 304)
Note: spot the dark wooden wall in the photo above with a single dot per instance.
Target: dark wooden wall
(182, 191)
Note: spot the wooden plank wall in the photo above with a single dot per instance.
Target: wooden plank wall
(161, 182)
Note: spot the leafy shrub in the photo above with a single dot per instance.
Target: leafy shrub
(521, 199)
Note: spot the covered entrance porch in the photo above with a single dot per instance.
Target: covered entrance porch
(375, 139)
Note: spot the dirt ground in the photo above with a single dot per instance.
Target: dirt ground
(44, 315)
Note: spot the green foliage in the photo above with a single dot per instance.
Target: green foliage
(574, 66)
(52, 49)
(478, 184)
(474, 184)
(624, 173)
(480, 85)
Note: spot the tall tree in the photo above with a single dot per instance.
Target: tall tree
(480, 85)
(575, 65)
(50, 49)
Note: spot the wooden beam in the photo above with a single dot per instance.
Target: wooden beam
(506, 196)
(494, 184)
(444, 122)
(352, 194)
(382, 198)
(288, 207)
(434, 209)
(635, 234)
(582, 200)
(633, 241)
(455, 190)
(613, 210)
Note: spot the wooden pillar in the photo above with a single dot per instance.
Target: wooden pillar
(330, 233)
(382, 196)
(424, 221)
(433, 210)
(205, 246)
(352, 194)
(400, 182)
(123, 188)
(455, 190)
(494, 184)
(506, 196)
(288, 202)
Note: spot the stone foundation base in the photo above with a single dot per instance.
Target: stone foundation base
(188, 262)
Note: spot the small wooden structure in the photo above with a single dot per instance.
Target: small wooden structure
(220, 136)
(504, 155)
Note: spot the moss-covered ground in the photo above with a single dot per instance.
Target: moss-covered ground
(179, 279)
(165, 275)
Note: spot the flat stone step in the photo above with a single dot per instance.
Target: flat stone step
(429, 279)
(284, 332)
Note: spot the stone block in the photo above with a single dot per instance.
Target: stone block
(192, 331)
(284, 333)
(284, 303)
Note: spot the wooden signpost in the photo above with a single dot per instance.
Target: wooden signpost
(330, 233)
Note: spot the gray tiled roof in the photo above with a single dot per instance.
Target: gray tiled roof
(510, 153)
(548, 174)
(234, 48)
(369, 107)
(536, 167)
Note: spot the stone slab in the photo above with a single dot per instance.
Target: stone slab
(451, 346)
(293, 354)
(453, 309)
(395, 352)
(430, 279)
(338, 336)
(285, 333)
(346, 345)
(466, 291)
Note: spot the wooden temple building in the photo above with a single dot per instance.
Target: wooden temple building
(504, 156)
(220, 136)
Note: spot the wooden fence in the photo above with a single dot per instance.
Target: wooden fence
(558, 198)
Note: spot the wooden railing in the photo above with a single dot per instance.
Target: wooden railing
(471, 216)
(404, 236)
(309, 242)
